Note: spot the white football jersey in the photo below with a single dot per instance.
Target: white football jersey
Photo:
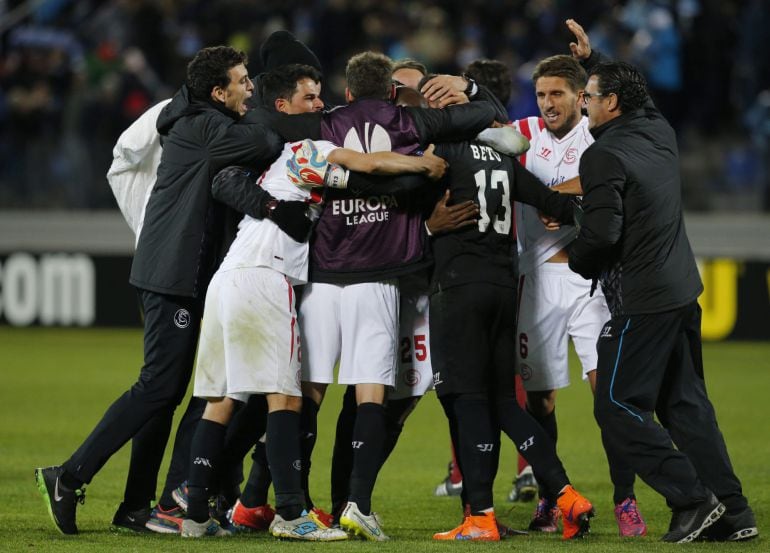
(260, 243)
(553, 161)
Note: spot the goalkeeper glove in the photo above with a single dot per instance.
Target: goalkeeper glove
(308, 167)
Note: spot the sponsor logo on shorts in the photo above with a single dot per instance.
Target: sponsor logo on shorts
(412, 377)
(484, 448)
(529, 442)
(202, 461)
(606, 332)
(356, 445)
(437, 379)
(182, 318)
(526, 371)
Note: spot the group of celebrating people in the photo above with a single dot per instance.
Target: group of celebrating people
(415, 238)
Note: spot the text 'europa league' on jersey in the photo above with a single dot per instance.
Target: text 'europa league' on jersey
(364, 210)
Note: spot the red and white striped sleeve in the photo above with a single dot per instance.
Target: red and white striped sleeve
(526, 127)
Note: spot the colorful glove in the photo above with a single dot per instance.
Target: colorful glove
(308, 167)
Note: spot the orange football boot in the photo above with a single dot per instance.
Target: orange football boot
(474, 527)
(576, 511)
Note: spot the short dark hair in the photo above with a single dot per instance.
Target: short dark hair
(406, 96)
(494, 75)
(409, 63)
(625, 81)
(425, 80)
(368, 75)
(566, 67)
(209, 68)
(282, 82)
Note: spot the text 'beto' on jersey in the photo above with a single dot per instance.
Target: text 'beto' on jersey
(483, 252)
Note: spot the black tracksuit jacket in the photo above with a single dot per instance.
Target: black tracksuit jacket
(181, 243)
(632, 236)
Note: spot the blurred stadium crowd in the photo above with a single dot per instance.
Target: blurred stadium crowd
(75, 74)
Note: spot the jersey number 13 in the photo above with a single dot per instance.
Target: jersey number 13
(494, 193)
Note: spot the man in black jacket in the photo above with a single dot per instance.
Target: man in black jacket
(633, 241)
(177, 252)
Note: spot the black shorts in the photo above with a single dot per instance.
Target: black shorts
(472, 338)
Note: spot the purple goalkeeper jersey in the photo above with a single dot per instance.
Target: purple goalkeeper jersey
(367, 238)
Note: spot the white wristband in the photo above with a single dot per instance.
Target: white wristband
(336, 176)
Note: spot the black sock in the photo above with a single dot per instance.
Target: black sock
(205, 451)
(548, 423)
(368, 442)
(533, 444)
(477, 437)
(246, 427)
(396, 412)
(179, 468)
(256, 488)
(308, 436)
(342, 457)
(284, 458)
(448, 403)
(496, 460)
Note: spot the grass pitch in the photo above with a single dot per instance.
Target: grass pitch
(57, 383)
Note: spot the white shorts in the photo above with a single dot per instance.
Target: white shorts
(555, 306)
(249, 341)
(356, 324)
(415, 375)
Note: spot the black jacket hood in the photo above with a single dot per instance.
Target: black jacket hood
(174, 110)
(183, 104)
